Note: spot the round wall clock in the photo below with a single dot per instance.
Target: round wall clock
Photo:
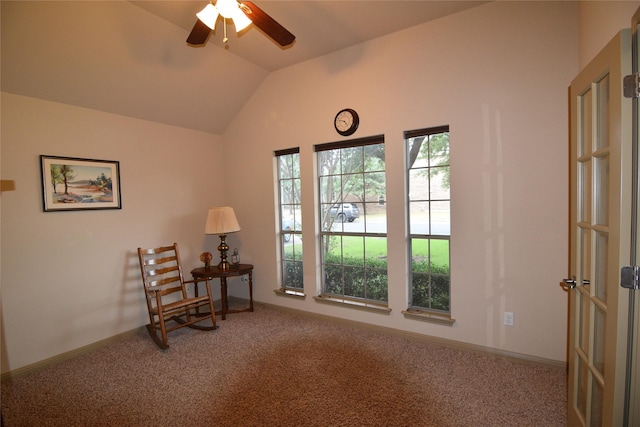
(346, 122)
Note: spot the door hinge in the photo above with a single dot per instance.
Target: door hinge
(630, 277)
(631, 86)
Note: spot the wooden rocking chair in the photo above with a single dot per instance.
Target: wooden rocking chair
(166, 294)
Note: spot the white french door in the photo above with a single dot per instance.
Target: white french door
(600, 169)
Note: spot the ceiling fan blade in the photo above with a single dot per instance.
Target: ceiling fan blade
(199, 34)
(260, 19)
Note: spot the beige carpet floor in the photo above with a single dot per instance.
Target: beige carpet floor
(274, 368)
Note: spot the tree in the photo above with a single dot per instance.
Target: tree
(436, 149)
(104, 182)
(66, 175)
(289, 178)
(56, 177)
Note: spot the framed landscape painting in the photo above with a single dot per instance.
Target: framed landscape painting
(79, 184)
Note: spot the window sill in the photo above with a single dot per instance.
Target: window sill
(360, 305)
(290, 293)
(427, 316)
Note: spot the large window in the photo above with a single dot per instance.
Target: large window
(290, 219)
(353, 220)
(429, 206)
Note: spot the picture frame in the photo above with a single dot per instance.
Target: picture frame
(74, 184)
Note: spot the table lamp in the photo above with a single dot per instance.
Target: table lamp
(222, 221)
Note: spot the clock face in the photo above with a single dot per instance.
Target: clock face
(346, 122)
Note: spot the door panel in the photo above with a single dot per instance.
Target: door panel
(598, 238)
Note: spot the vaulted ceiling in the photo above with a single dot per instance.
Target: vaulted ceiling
(131, 57)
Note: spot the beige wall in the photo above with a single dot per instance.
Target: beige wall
(599, 21)
(72, 278)
(496, 74)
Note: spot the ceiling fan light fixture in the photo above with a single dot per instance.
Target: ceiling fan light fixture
(240, 20)
(227, 8)
(242, 14)
(209, 16)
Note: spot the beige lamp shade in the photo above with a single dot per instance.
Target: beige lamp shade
(221, 220)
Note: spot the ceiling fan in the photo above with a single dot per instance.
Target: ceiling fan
(243, 14)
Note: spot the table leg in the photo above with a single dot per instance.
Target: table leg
(195, 290)
(223, 296)
(250, 291)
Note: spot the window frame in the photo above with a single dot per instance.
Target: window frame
(428, 310)
(285, 235)
(324, 207)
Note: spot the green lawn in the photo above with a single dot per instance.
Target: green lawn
(376, 247)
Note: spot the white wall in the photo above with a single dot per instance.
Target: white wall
(72, 278)
(500, 82)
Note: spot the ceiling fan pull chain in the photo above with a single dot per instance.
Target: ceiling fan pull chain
(225, 39)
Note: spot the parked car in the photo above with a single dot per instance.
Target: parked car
(345, 212)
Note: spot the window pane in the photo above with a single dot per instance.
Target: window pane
(439, 149)
(419, 218)
(440, 218)
(583, 323)
(596, 403)
(351, 160)
(603, 113)
(602, 256)
(598, 339)
(375, 219)
(377, 280)
(354, 281)
(439, 256)
(418, 184)
(584, 255)
(585, 127)
(352, 250)
(374, 186)
(581, 398)
(601, 181)
(430, 270)
(330, 189)
(440, 292)
(286, 191)
(584, 191)
(352, 187)
(374, 159)
(375, 250)
(292, 274)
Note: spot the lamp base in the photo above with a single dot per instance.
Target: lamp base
(223, 248)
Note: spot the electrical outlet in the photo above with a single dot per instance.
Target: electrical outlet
(508, 318)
